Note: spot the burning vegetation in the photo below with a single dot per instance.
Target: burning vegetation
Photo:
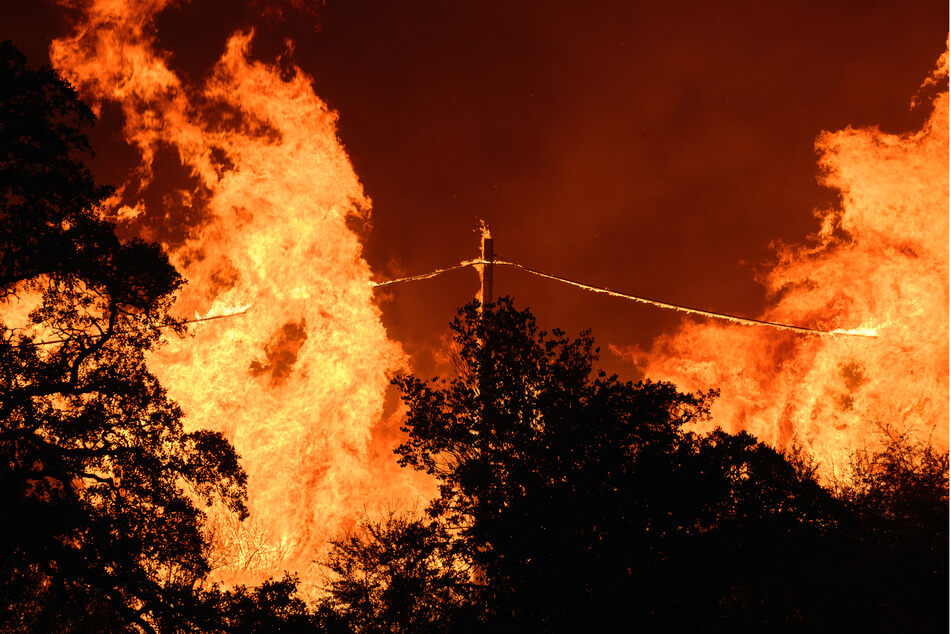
(298, 383)
(235, 476)
(879, 260)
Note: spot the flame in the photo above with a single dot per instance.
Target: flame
(484, 231)
(220, 310)
(860, 332)
(879, 260)
(298, 382)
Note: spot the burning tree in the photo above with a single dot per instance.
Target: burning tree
(98, 477)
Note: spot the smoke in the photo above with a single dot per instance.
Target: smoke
(879, 260)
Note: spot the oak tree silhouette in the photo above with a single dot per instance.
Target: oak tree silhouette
(584, 500)
(398, 574)
(897, 535)
(99, 481)
(574, 501)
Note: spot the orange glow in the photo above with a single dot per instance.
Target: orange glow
(880, 261)
(297, 382)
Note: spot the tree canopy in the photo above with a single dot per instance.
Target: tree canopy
(103, 484)
(574, 501)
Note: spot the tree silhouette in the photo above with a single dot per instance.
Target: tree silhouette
(273, 606)
(97, 474)
(898, 534)
(399, 574)
(578, 502)
(579, 496)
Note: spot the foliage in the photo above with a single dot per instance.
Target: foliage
(904, 483)
(898, 498)
(578, 502)
(272, 607)
(399, 575)
(99, 476)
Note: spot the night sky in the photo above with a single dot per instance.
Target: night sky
(655, 148)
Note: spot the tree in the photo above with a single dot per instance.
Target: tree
(898, 498)
(274, 607)
(398, 574)
(586, 504)
(572, 501)
(530, 454)
(99, 478)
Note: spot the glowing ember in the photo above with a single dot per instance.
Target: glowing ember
(880, 260)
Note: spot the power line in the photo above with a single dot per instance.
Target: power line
(48, 342)
(736, 319)
(426, 276)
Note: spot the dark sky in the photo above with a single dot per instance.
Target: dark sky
(655, 148)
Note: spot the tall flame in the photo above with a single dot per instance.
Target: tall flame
(298, 381)
(880, 261)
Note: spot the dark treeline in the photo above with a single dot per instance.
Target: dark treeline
(569, 501)
(572, 501)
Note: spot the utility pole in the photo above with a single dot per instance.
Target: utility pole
(485, 365)
(487, 256)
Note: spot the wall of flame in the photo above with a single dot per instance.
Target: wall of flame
(259, 217)
(298, 381)
(879, 260)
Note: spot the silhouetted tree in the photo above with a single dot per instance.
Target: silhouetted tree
(399, 574)
(583, 502)
(898, 534)
(272, 607)
(903, 485)
(98, 479)
(578, 502)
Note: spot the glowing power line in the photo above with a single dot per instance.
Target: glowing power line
(49, 342)
(745, 321)
(426, 276)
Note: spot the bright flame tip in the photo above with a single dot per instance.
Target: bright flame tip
(857, 332)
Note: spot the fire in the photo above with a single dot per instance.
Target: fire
(878, 264)
(297, 381)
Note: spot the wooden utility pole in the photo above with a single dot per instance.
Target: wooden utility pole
(487, 256)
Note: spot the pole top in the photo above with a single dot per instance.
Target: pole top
(485, 272)
(484, 229)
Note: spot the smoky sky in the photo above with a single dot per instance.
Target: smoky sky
(660, 149)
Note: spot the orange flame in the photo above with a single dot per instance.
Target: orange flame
(880, 260)
(297, 382)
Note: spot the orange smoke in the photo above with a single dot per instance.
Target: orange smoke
(880, 260)
(297, 382)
